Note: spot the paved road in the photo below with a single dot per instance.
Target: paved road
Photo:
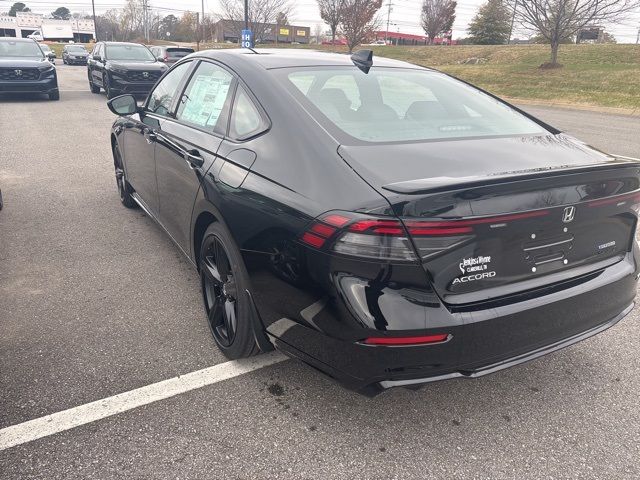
(95, 300)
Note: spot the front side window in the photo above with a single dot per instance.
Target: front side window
(205, 97)
(246, 120)
(129, 52)
(162, 96)
(399, 105)
(12, 48)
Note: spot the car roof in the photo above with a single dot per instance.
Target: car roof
(16, 39)
(124, 43)
(269, 58)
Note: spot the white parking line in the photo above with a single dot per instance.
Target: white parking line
(90, 412)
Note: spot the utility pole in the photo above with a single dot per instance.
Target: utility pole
(386, 34)
(638, 37)
(197, 36)
(202, 22)
(95, 26)
(145, 19)
(246, 15)
(513, 20)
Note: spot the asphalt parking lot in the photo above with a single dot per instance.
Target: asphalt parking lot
(95, 300)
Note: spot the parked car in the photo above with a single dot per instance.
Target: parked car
(120, 67)
(170, 54)
(388, 225)
(37, 36)
(25, 69)
(74, 55)
(50, 54)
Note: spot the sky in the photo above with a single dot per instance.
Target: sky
(405, 14)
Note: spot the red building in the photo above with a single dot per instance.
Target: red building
(397, 38)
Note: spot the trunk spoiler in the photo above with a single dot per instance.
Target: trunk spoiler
(439, 184)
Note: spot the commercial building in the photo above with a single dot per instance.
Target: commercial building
(229, 31)
(26, 23)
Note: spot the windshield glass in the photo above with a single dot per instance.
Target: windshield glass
(129, 52)
(19, 49)
(76, 49)
(395, 105)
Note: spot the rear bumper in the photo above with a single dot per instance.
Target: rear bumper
(483, 341)
(29, 86)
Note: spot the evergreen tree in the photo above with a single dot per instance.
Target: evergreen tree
(492, 24)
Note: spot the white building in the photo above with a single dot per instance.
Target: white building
(26, 23)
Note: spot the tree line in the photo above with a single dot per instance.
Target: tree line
(550, 21)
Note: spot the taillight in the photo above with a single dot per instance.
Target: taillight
(382, 238)
(407, 341)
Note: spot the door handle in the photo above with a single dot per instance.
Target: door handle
(193, 158)
(149, 135)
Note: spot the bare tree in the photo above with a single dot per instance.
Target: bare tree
(317, 31)
(557, 20)
(359, 21)
(331, 13)
(437, 17)
(262, 13)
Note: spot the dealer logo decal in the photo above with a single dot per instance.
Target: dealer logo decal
(474, 268)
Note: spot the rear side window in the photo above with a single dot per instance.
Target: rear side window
(402, 105)
(178, 52)
(162, 96)
(204, 98)
(246, 120)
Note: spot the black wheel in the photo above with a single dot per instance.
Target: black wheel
(54, 95)
(64, 60)
(107, 87)
(124, 189)
(94, 88)
(224, 290)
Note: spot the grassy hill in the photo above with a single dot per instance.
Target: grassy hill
(598, 75)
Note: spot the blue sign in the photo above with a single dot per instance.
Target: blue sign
(247, 39)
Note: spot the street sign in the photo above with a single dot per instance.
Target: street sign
(247, 39)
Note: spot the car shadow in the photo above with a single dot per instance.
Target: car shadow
(24, 97)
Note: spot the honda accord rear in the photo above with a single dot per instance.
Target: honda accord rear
(385, 223)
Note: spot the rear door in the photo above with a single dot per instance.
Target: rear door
(187, 145)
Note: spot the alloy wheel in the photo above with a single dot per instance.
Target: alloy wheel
(220, 291)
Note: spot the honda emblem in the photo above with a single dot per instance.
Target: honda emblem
(568, 214)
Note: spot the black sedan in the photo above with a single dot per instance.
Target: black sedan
(119, 67)
(388, 224)
(25, 69)
(74, 55)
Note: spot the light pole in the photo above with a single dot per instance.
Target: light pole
(246, 15)
(95, 26)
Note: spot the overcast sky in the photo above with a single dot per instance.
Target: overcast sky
(405, 14)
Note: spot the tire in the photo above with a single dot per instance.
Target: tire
(107, 87)
(225, 281)
(92, 87)
(54, 95)
(124, 189)
(64, 61)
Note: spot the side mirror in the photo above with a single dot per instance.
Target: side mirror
(123, 105)
(160, 59)
(97, 58)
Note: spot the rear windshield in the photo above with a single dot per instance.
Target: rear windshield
(179, 52)
(396, 105)
(19, 49)
(129, 52)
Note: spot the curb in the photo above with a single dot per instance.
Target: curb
(629, 112)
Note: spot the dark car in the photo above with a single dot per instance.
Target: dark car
(389, 226)
(171, 55)
(119, 67)
(74, 55)
(25, 69)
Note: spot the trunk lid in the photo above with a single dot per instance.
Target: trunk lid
(506, 215)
